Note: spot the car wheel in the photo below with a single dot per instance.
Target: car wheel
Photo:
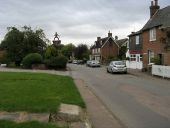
(125, 72)
(113, 72)
(107, 70)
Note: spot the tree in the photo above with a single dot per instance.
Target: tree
(81, 51)
(122, 52)
(67, 50)
(19, 43)
(51, 51)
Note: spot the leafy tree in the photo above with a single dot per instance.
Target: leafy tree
(81, 51)
(19, 43)
(67, 50)
(51, 51)
(13, 45)
(122, 52)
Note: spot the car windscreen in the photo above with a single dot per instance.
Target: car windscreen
(119, 63)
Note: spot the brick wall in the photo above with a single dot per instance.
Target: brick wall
(109, 49)
(156, 46)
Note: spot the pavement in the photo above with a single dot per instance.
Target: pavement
(99, 115)
(139, 73)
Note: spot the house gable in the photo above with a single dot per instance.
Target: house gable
(109, 39)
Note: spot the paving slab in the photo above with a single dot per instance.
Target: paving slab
(24, 116)
(68, 113)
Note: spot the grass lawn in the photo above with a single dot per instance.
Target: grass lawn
(10, 124)
(36, 92)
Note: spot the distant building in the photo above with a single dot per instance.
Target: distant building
(104, 48)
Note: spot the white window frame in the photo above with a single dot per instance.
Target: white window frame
(152, 34)
(132, 57)
(137, 40)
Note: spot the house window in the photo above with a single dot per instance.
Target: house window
(141, 56)
(128, 44)
(98, 50)
(93, 51)
(137, 40)
(152, 34)
(150, 56)
(133, 57)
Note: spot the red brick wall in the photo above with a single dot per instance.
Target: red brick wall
(156, 46)
(109, 50)
(167, 58)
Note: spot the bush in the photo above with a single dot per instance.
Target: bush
(32, 58)
(58, 62)
(156, 60)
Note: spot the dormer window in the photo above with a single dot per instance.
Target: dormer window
(152, 34)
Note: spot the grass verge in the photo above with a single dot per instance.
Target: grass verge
(36, 92)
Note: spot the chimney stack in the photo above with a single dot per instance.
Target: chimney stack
(154, 8)
(156, 2)
(98, 38)
(109, 34)
(116, 37)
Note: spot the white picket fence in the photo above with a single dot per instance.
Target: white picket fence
(161, 70)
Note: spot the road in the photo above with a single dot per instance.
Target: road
(138, 102)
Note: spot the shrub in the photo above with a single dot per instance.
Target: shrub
(156, 60)
(32, 58)
(58, 62)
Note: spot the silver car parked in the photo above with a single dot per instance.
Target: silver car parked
(88, 63)
(117, 66)
(94, 63)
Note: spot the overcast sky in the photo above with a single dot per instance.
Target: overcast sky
(77, 21)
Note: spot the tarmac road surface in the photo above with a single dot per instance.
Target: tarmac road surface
(137, 101)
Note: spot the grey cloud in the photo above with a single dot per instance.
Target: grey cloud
(76, 20)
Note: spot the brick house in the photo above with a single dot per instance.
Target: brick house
(106, 47)
(152, 41)
(155, 36)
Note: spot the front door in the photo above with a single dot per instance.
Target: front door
(138, 61)
(137, 57)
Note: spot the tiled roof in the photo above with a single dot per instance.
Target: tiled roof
(135, 33)
(161, 18)
(99, 43)
(121, 42)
